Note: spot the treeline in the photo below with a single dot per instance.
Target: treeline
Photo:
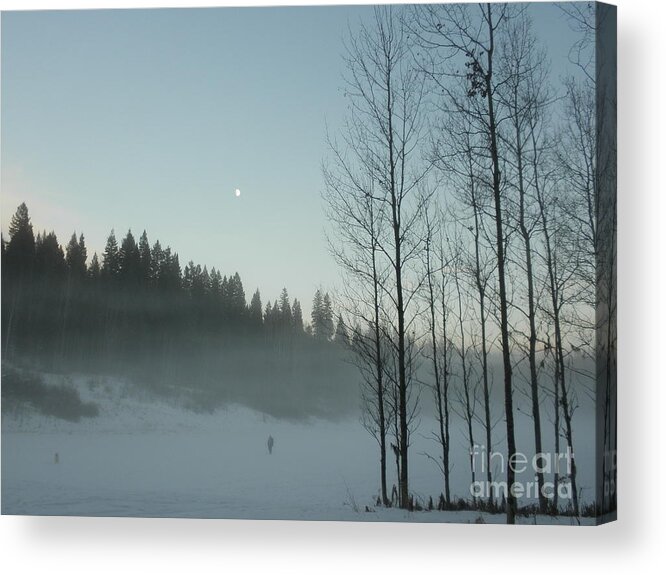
(135, 312)
(463, 195)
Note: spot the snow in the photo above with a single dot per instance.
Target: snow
(147, 457)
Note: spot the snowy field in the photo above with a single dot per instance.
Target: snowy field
(145, 457)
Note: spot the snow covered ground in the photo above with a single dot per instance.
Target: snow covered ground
(146, 457)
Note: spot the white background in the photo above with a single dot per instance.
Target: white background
(635, 543)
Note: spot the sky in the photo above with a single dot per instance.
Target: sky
(150, 119)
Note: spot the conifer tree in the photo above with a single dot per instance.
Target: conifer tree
(145, 258)
(49, 256)
(94, 270)
(188, 277)
(215, 285)
(341, 335)
(129, 261)
(110, 258)
(83, 249)
(156, 263)
(174, 273)
(76, 256)
(317, 315)
(202, 286)
(285, 309)
(297, 316)
(255, 309)
(224, 295)
(327, 318)
(268, 314)
(21, 245)
(236, 295)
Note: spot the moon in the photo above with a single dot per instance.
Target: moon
(237, 192)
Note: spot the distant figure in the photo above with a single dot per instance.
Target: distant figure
(271, 441)
(56, 458)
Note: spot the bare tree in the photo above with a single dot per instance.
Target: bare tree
(466, 37)
(391, 371)
(357, 219)
(588, 161)
(606, 326)
(562, 261)
(468, 393)
(437, 265)
(454, 157)
(523, 97)
(384, 135)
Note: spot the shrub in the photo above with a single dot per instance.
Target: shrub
(20, 388)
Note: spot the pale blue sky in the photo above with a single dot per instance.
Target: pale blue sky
(151, 118)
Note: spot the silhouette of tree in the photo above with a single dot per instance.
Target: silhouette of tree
(76, 256)
(297, 317)
(341, 335)
(111, 258)
(255, 311)
(285, 310)
(145, 259)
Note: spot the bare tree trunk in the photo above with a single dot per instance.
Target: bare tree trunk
(379, 364)
(511, 504)
(400, 305)
(468, 407)
(444, 410)
(567, 413)
(480, 283)
(435, 357)
(556, 474)
(531, 308)
(396, 445)
(561, 395)
(383, 136)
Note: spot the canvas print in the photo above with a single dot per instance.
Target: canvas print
(325, 263)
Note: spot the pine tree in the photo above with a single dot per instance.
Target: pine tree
(237, 303)
(285, 309)
(156, 263)
(170, 278)
(110, 258)
(341, 335)
(224, 295)
(145, 259)
(83, 249)
(166, 270)
(129, 260)
(255, 309)
(215, 285)
(268, 314)
(174, 272)
(21, 245)
(49, 256)
(76, 256)
(327, 318)
(317, 315)
(94, 270)
(297, 316)
(188, 277)
(202, 283)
